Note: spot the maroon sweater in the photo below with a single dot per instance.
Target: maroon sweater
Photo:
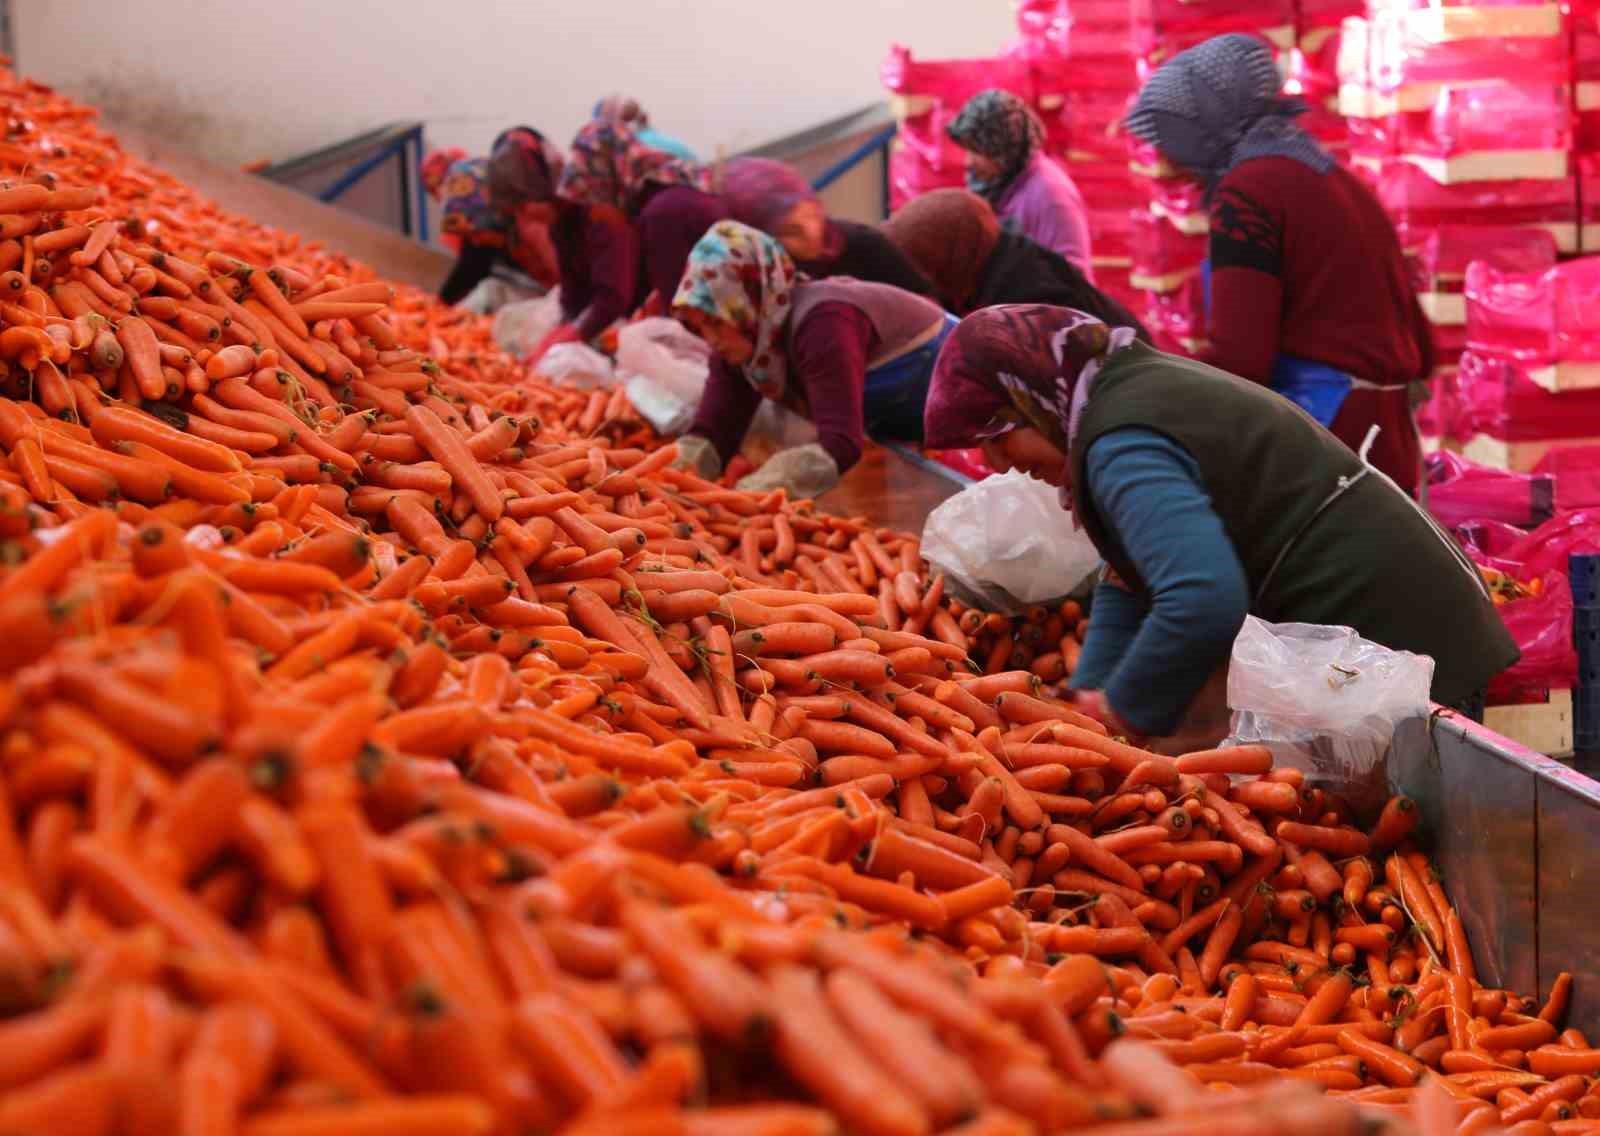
(1308, 264)
(828, 356)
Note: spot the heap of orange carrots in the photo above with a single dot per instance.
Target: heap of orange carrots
(393, 745)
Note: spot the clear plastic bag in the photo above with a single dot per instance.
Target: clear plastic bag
(577, 365)
(1326, 701)
(664, 366)
(1008, 543)
(520, 327)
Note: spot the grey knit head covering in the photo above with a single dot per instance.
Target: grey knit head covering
(1211, 107)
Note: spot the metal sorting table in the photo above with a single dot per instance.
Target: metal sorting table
(1516, 836)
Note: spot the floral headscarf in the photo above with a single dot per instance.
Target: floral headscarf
(1213, 106)
(949, 234)
(1016, 365)
(1004, 129)
(621, 108)
(763, 191)
(523, 167)
(436, 165)
(610, 165)
(465, 211)
(744, 278)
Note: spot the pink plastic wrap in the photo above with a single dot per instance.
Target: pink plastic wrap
(1487, 542)
(1163, 257)
(1575, 471)
(1498, 116)
(1446, 251)
(1547, 547)
(1082, 109)
(1461, 491)
(1397, 54)
(1163, 28)
(1179, 316)
(923, 158)
(1314, 14)
(1411, 196)
(1541, 626)
(1044, 29)
(1498, 399)
(1536, 318)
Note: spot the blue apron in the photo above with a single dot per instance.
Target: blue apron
(897, 389)
(1316, 388)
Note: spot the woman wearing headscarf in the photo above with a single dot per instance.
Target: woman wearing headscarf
(851, 355)
(626, 110)
(1209, 498)
(1308, 285)
(1030, 191)
(628, 216)
(953, 236)
(772, 196)
(480, 234)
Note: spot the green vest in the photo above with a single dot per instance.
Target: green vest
(1367, 558)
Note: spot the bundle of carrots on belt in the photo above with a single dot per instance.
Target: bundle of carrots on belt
(384, 753)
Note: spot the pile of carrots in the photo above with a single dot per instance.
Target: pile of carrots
(392, 744)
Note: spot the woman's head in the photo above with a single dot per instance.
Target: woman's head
(1000, 134)
(1017, 369)
(773, 196)
(523, 169)
(1212, 106)
(621, 108)
(949, 234)
(609, 165)
(736, 294)
(436, 165)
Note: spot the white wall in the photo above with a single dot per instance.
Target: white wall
(242, 81)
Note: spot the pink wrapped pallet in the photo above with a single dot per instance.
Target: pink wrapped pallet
(1163, 28)
(1548, 322)
(1177, 319)
(927, 94)
(1416, 200)
(1575, 470)
(1164, 257)
(1440, 255)
(1044, 30)
(1510, 422)
(1462, 491)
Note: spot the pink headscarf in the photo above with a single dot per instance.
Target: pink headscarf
(761, 192)
(437, 164)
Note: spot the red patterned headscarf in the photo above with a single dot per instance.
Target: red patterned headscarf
(1016, 365)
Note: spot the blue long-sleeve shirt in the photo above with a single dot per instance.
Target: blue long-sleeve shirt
(1151, 658)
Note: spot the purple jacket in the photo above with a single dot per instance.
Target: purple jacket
(1045, 206)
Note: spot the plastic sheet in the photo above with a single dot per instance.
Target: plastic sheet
(1547, 547)
(1498, 399)
(1163, 258)
(1492, 117)
(1535, 317)
(1461, 491)
(1008, 542)
(1411, 196)
(1446, 250)
(1541, 625)
(1163, 28)
(1326, 701)
(1576, 473)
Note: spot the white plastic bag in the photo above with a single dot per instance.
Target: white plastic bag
(577, 365)
(1008, 542)
(520, 327)
(665, 366)
(493, 293)
(1326, 701)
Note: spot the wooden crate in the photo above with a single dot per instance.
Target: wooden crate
(1544, 727)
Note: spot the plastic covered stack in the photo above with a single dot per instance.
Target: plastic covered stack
(925, 95)
(1530, 378)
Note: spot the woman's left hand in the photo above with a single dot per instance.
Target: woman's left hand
(1095, 704)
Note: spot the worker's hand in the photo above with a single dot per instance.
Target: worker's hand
(699, 456)
(1095, 704)
(805, 471)
(561, 333)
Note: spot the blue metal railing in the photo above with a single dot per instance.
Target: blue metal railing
(411, 167)
(879, 141)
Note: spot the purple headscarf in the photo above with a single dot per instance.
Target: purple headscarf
(761, 192)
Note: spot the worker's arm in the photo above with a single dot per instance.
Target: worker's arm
(1246, 251)
(828, 363)
(472, 267)
(612, 247)
(1148, 489)
(727, 406)
(1114, 619)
